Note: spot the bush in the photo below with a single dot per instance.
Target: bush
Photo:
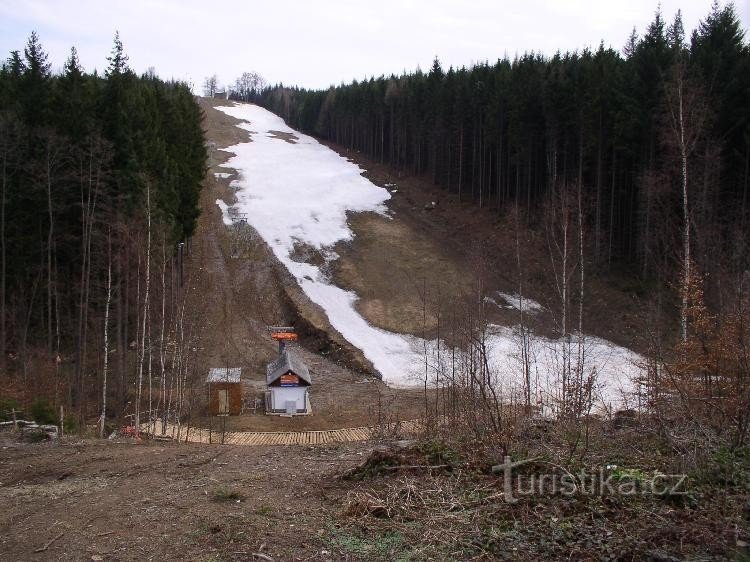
(728, 467)
(226, 495)
(438, 452)
(35, 436)
(70, 423)
(43, 412)
(7, 405)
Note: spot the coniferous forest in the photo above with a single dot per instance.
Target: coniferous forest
(98, 172)
(611, 126)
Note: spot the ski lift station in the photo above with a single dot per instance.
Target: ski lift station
(287, 379)
(224, 391)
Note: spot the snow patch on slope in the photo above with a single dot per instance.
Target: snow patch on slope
(612, 368)
(226, 219)
(515, 301)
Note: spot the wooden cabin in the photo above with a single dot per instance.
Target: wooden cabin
(288, 382)
(224, 391)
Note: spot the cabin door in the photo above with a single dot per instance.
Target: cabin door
(223, 402)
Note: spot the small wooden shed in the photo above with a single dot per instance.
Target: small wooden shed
(288, 381)
(224, 391)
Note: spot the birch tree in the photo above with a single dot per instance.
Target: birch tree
(687, 114)
(103, 416)
(145, 311)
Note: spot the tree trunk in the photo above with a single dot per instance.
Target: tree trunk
(685, 213)
(460, 161)
(145, 312)
(106, 338)
(3, 262)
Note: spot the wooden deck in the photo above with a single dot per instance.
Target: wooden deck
(202, 435)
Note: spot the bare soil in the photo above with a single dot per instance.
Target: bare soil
(428, 500)
(287, 137)
(101, 500)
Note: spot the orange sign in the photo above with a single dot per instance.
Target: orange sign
(284, 336)
(289, 380)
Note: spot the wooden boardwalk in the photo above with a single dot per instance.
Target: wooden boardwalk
(202, 435)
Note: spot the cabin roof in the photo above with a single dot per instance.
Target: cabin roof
(224, 374)
(283, 364)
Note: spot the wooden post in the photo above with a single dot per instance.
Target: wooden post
(62, 421)
(15, 421)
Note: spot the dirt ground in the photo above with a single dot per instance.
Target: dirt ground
(102, 500)
(122, 500)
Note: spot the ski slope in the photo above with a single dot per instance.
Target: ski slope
(298, 193)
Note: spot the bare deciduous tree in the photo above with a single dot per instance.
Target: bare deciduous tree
(247, 86)
(210, 85)
(687, 114)
(103, 417)
(145, 312)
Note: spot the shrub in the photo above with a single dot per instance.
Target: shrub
(438, 452)
(35, 436)
(727, 467)
(70, 423)
(43, 412)
(7, 405)
(225, 495)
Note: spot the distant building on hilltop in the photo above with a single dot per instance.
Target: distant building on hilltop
(223, 95)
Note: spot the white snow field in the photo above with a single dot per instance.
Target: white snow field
(298, 193)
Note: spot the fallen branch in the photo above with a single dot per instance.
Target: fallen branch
(46, 546)
(501, 467)
(256, 554)
(413, 466)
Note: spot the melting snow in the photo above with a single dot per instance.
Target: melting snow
(224, 212)
(301, 192)
(516, 302)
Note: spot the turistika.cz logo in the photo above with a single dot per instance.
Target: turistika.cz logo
(609, 480)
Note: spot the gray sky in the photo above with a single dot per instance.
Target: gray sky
(318, 43)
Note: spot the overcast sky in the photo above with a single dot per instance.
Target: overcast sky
(319, 43)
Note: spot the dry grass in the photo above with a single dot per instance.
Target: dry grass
(462, 513)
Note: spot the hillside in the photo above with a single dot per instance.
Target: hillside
(435, 498)
(340, 237)
(495, 312)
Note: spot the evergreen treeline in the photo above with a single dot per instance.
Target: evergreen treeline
(88, 165)
(518, 132)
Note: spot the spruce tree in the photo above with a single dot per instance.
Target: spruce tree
(118, 60)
